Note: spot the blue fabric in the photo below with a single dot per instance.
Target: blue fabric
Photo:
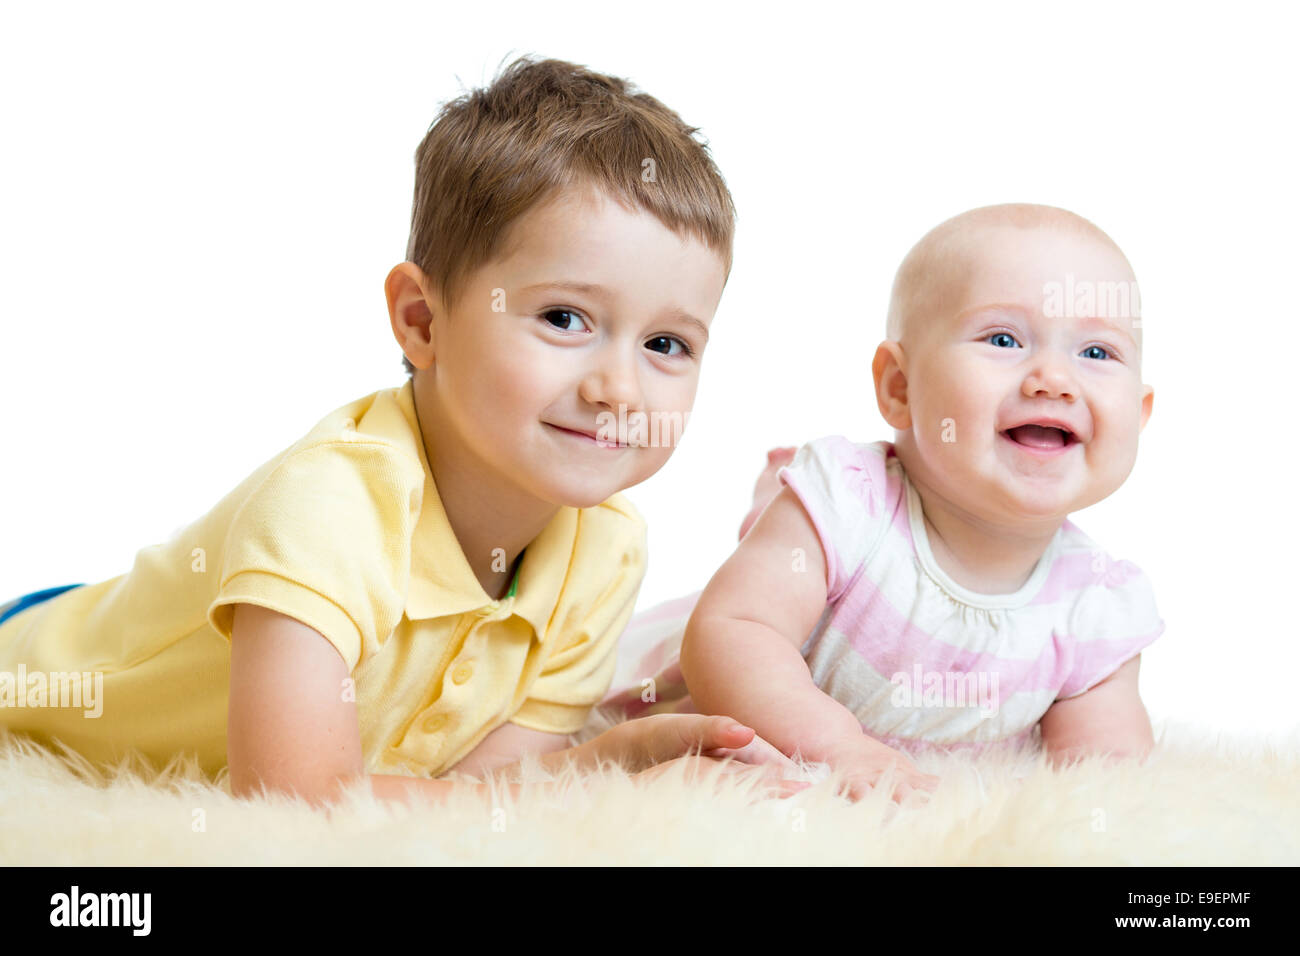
(36, 597)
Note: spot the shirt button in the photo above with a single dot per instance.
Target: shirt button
(462, 672)
(434, 722)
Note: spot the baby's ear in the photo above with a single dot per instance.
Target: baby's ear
(1148, 395)
(888, 369)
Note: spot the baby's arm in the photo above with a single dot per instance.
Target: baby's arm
(741, 651)
(1108, 718)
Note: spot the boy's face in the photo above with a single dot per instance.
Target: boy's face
(1021, 344)
(587, 316)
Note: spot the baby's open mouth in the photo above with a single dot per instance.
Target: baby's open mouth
(1041, 436)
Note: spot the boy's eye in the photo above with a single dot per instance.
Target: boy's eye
(1003, 340)
(1091, 350)
(669, 340)
(564, 316)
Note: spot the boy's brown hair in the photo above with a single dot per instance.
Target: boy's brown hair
(494, 153)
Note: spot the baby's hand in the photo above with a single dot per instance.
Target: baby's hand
(863, 760)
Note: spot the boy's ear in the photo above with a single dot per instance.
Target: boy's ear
(889, 370)
(410, 301)
(1148, 394)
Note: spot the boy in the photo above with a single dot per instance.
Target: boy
(436, 575)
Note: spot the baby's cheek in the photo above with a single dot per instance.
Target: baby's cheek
(947, 417)
(1112, 454)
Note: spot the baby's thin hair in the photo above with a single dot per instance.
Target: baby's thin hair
(940, 254)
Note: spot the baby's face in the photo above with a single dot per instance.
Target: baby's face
(1018, 343)
(593, 313)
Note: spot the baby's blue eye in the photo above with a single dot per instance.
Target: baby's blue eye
(997, 337)
(1088, 352)
(562, 312)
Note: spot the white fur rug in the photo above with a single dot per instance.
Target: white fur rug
(1200, 800)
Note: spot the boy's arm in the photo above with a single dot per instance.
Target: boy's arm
(1109, 717)
(291, 729)
(289, 725)
(741, 652)
(505, 746)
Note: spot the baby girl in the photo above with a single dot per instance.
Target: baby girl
(890, 598)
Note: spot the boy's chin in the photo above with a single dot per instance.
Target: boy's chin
(584, 501)
(578, 490)
(581, 496)
(580, 485)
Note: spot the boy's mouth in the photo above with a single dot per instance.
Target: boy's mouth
(592, 438)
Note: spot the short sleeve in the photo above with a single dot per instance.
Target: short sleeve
(578, 674)
(841, 486)
(326, 539)
(1113, 620)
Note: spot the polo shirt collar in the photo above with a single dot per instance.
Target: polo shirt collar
(442, 583)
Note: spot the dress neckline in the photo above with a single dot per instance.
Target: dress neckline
(921, 541)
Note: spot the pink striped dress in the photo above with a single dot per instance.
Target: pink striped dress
(921, 661)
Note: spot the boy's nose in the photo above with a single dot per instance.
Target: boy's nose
(613, 384)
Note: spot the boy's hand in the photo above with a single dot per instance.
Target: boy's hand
(647, 745)
(775, 783)
(864, 759)
(757, 751)
(646, 741)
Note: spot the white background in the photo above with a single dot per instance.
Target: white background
(199, 205)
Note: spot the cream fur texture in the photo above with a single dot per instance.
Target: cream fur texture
(1201, 799)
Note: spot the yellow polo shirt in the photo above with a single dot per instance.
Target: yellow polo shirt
(345, 532)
